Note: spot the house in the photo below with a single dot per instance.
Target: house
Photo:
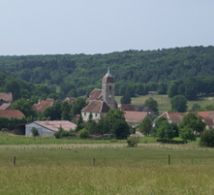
(48, 128)
(134, 117)
(6, 97)
(172, 117)
(95, 108)
(42, 105)
(208, 118)
(70, 100)
(100, 100)
(11, 114)
(5, 106)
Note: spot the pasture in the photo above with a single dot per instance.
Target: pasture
(106, 169)
(164, 101)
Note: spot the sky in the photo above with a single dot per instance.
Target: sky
(103, 26)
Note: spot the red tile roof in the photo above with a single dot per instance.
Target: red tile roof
(5, 106)
(95, 94)
(173, 117)
(6, 97)
(10, 113)
(207, 117)
(134, 117)
(42, 105)
(96, 106)
(55, 125)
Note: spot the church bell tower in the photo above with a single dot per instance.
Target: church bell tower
(108, 90)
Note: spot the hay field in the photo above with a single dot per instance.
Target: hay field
(106, 169)
(164, 101)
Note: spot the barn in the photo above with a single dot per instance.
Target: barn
(48, 128)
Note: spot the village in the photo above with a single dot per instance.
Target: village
(87, 121)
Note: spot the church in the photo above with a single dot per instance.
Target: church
(100, 101)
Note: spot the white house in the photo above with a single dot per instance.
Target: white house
(96, 109)
(48, 128)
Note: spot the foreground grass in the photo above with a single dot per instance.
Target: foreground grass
(11, 139)
(109, 180)
(142, 170)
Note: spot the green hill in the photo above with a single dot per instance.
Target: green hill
(135, 71)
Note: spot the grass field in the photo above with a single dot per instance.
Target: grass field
(114, 170)
(12, 139)
(164, 101)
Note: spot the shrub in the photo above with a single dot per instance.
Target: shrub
(133, 141)
(35, 132)
(171, 141)
(62, 133)
(84, 134)
(207, 138)
(187, 134)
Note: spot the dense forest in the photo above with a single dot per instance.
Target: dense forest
(188, 71)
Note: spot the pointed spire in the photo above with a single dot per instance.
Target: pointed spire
(108, 72)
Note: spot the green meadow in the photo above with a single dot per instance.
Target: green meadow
(164, 101)
(106, 169)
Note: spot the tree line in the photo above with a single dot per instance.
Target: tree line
(184, 71)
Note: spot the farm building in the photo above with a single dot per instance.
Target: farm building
(48, 128)
(173, 117)
(135, 117)
(208, 118)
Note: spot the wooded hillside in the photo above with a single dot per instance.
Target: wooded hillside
(135, 71)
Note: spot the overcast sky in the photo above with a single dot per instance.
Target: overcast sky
(102, 26)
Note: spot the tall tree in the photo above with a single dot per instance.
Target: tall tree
(179, 103)
(151, 104)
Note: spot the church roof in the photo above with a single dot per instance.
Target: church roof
(96, 106)
(95, 94)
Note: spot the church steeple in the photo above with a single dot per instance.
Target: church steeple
(108, 89)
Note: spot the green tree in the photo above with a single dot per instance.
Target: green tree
(35, 132)
(25, 105)
(146, 126)
(165, 130)
(91, 125)
(66, 111)
(187, 133)
(80, 123)
(207, 138)
(114, 122)
(126, 99)
(54, 112)
(179, 103)
(191, 121)
(152, 104)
